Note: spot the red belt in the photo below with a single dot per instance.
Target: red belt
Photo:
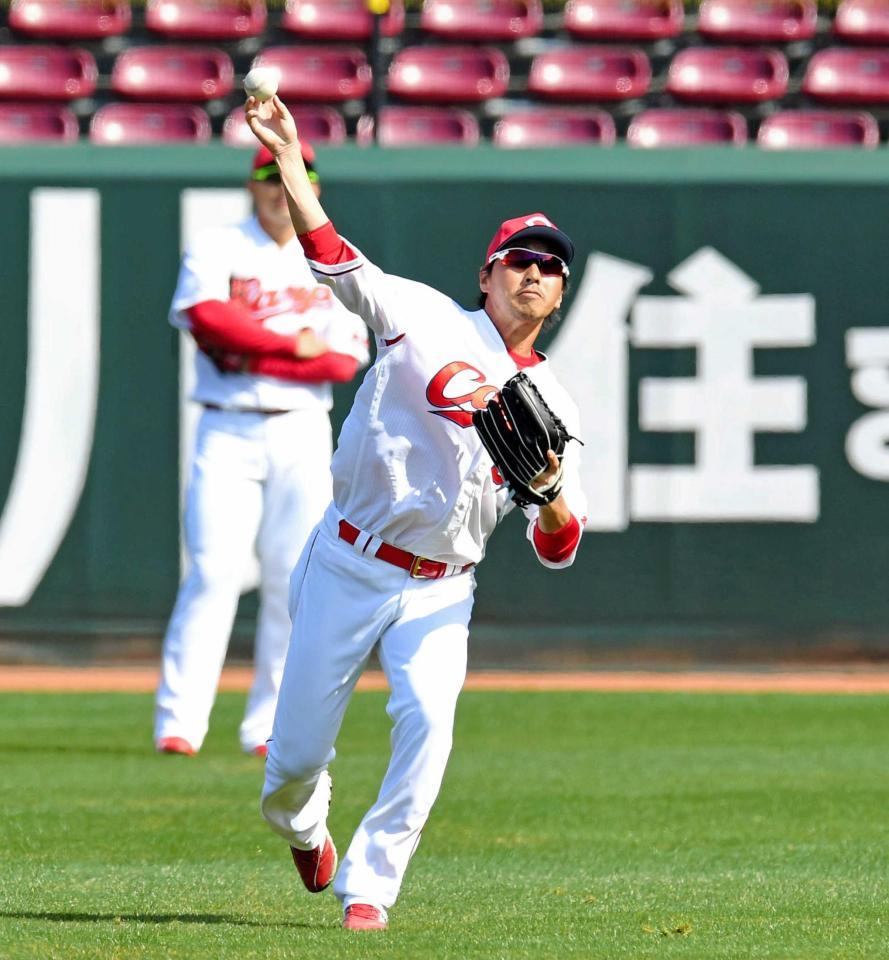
(420, 568)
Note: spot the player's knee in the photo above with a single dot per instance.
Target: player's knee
(300, 763)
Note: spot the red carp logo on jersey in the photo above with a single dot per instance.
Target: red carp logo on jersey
(457, 390)
(264, 304)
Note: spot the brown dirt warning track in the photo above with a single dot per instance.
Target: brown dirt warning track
(143, 679)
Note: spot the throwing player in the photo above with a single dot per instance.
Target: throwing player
(271, 340)
(415, 499)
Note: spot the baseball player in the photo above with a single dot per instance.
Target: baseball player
(415, 498)
(271, 341)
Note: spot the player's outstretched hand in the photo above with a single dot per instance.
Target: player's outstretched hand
(272, 124)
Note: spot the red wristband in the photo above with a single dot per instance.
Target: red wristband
(559, 545)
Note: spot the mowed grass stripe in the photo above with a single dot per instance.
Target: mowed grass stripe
(570, 824)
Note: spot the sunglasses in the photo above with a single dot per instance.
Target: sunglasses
(271, 174)
(519, 259)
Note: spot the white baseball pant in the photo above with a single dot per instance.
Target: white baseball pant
(258, 481)
(343, 603)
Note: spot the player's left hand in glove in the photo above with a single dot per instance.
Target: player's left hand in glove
(520, 431)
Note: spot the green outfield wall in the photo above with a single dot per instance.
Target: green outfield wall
(726, 336)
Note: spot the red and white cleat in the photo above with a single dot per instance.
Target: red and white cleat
(364, 916)
(175, 745)
(316, 866)
(261, 751)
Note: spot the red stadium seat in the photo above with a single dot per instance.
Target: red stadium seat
(815, 129)
(728, 74)
(46, 72)
(843, 75)
(172, 73)
(555, 126)
(862, 21)
(421, 127)
(322, 125)
(765, 21)
(686, 128)
(118, 124)
(72, 19)
(468, 74)
(37, 122)
(624, 19)
(339, 19)
(590, 73)
(206, 19)
(482, 19)
(318, 73)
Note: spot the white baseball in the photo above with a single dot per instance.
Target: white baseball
(261, 82)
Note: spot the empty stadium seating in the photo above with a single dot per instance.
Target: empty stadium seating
(590, 73)
(765, 21)
(862, 21)
(37, 122)
(815, 129)
(434, 74)
(339, 19)
(317, 124)
(487, 20)
(43, 72)
(206, 19)
(318, 73)
(686, 128)
(766, 69)
(728, 74)
(421, 127)
(555, 126)
(71, 19)
(838, 75)
(124, 124)
(624, 19)
(172, 73)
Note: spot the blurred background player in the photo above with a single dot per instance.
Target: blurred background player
(271, 340)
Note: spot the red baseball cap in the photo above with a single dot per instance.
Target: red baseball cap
(531, 226)
(265, 158)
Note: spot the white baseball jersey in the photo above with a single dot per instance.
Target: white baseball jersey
(242, 262)
(410, 466)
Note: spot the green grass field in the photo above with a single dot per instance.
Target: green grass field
(580, 825)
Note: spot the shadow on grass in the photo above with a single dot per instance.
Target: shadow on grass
(73, 749)
(205, 918)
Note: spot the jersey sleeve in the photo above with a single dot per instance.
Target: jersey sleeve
(386, 303)
(230, 327)
(329, 367)
(203, 275)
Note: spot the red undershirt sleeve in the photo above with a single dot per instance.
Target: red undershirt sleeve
(228, 325)
(336, 367)
(557, 546)
(325, 245)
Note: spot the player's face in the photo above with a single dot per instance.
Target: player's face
(521, 292)
(270, 201)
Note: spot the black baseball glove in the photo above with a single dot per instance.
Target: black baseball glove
(517, 427)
